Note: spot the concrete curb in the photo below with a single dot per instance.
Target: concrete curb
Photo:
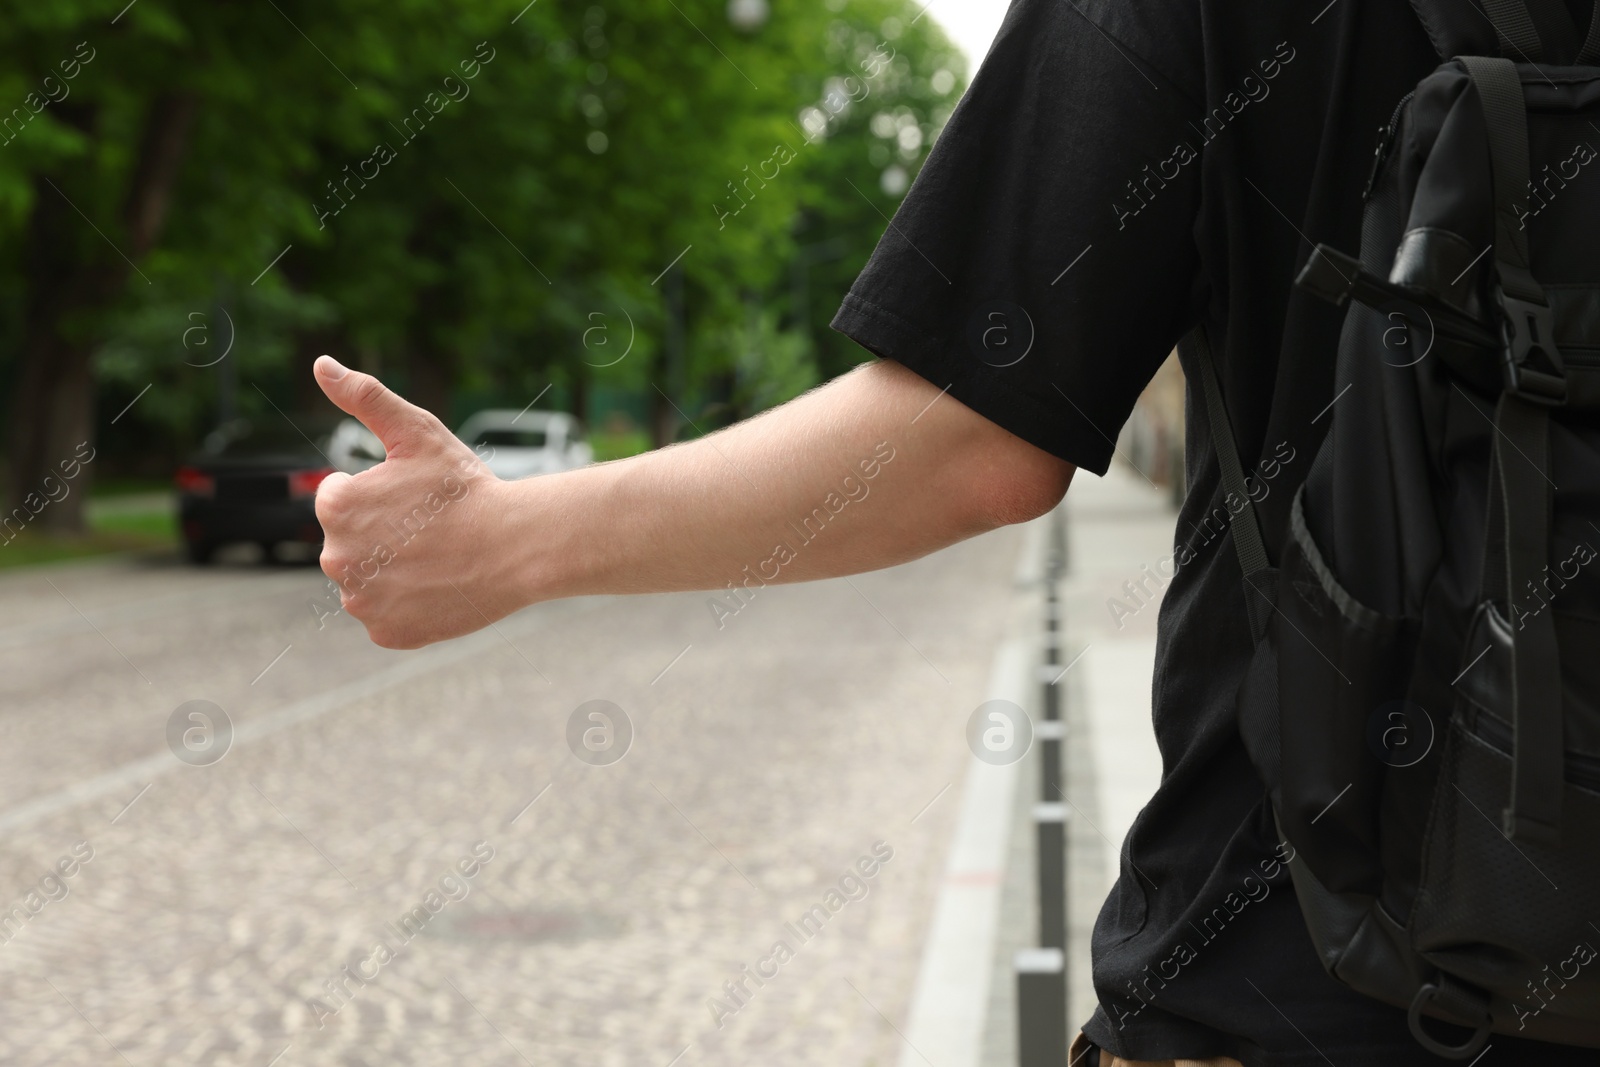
(950, 1004)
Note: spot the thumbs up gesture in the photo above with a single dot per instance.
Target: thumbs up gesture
(412, 542)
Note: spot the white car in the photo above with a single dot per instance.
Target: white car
(353, 448)
(521, 444)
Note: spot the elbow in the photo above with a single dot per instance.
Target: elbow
(1020, 483)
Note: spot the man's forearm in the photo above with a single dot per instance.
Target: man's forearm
(875, 468)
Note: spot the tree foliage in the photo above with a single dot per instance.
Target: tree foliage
(478, 199)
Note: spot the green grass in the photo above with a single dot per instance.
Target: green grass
(159, 525)
(120, 531)
(107, 488)
(608, 446)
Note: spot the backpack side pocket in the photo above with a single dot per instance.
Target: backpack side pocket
(1340, 665)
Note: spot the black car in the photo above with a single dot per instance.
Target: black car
(255, 480)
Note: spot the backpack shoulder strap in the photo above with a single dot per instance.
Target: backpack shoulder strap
(1516, 549)
(1589, 54)
(1524, 31)
(1558, 33)
(1246, 525)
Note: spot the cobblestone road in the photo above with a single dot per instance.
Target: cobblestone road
(400, 860)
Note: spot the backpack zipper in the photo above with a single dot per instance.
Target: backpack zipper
(1581, 770)
(1386, 136)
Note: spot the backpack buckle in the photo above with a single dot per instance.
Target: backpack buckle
(1533, 367)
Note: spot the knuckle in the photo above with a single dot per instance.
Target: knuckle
(355, 606)
(430, 423)
(333, 563)
(429, 431)
(368, 390)
(331, 503)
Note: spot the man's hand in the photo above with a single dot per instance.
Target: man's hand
(409, 542)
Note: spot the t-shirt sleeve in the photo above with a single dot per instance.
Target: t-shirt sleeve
(1044, 262)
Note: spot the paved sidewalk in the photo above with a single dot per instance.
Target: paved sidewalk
(1116, 526)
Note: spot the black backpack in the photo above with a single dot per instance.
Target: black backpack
(1424, 701)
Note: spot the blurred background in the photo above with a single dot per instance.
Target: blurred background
(232, 831)
(486, 203)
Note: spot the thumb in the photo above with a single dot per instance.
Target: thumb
(395, 420)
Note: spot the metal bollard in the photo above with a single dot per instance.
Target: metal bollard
(1050, 675)
(1041, 1007)
(1050, 821)
(1052, 784)
(1057, 553)
(1042, 972)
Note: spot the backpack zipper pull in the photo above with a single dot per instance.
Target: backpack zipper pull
(1386, 136)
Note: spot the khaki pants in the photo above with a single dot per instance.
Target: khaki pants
(1081, 1047)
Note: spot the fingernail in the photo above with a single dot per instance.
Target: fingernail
(331, 368)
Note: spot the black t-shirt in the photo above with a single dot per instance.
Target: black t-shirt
(1117, 173)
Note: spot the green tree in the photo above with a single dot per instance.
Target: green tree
(460, 193)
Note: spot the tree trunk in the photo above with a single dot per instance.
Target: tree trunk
(53, 404)
(579, 395)
(52, 429)
(308, 395)
(52, 419)
(664, 417)
(430, 380)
